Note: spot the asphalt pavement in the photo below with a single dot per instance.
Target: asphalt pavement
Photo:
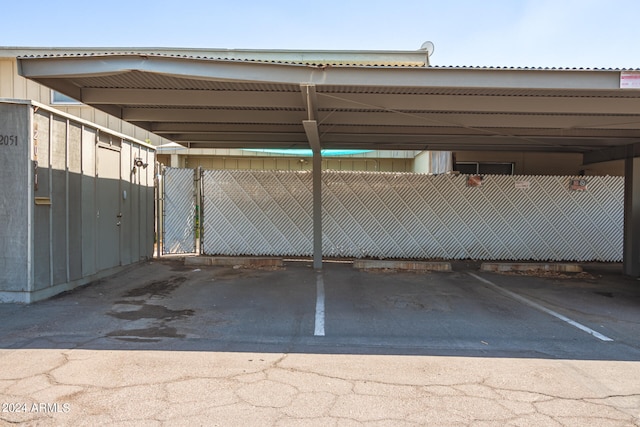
(168, 344)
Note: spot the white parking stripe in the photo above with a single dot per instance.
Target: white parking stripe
(544, 309)
(319, 331)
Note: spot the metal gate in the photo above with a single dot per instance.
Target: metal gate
(179, 210)
(403, 215)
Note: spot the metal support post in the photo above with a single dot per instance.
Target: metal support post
(317, 210)
(631, 253)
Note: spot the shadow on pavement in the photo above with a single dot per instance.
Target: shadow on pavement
(165, 305)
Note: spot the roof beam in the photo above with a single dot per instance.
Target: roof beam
(162, 128)
(310, 100)
(382, 146)
(472, 119)
(542, 121)
(232, 136)
(373, 130)
(211, 115)
(481, 103)
(242, 144)
(612, 153)
(204, 119)
(191, 97)
(329, 138)
(413, 143)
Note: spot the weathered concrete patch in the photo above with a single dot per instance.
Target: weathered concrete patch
(369, 264)
(152, 334)
(150, 311)
(157, 287)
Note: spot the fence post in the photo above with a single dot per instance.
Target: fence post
(198, 213)
(159, 207)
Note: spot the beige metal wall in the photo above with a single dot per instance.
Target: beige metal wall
(524, 163)
(290, 163)
(14, 86)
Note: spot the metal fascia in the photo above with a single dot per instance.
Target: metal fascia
(69, 67)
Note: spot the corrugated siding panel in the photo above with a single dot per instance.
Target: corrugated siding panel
(6, 78)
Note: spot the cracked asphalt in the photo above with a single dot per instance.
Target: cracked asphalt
(164, 344)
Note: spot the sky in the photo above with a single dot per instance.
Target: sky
(518, 33)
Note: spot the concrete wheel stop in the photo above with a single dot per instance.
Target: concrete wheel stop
(370, 264)
(248, 262)
(530, 267)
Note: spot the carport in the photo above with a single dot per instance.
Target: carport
(360, 100)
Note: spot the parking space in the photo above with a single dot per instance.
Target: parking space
(167, 305)
(170, 342)
(472, 313)
(599, 301)
(449, 313)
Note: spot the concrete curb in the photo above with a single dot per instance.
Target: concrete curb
(233, 261)
(366, 264)
(518, 266)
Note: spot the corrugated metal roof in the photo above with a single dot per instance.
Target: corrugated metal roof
(313, 58)
(141, 80)
(408, 90)
(312, 62)
(483, 107)
(531, 68)
(317, 58)
(214, 108)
